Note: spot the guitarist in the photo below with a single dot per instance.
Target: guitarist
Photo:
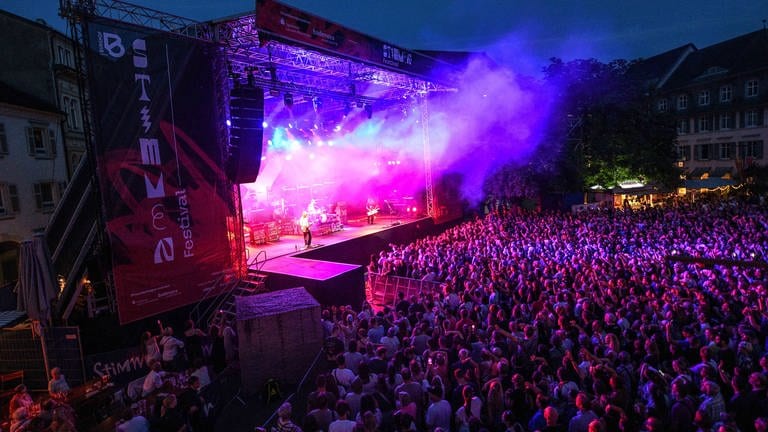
(371, 208)
(304, 224)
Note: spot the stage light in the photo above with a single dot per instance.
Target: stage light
(288, 100)
(330, 143)
(263, 158)
(320, 143)
(229, 122)
(347, 109)
(264, 124)
(368, 110)
(317, 103)
(272, 72)
(414, 209)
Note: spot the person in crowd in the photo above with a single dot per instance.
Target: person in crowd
(342, 423)
(131, 422)
(218, 353)
(193, 341)
(20, 420)
(150, 350)
(170, 418)
(154, 379)
(173, 351)
(58, 386)
(439, 412)
(63, 422)
(284, 422)
(322, 414)
(20, 399)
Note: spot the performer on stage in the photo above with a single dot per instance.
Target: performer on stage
(304, 225)
(371, 208)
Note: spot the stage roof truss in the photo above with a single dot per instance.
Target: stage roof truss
(298, 68)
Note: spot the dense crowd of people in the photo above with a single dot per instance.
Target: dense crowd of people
(652, 320)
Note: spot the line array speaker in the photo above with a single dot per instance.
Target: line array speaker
(246, 133)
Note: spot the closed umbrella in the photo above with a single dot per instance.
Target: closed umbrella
(36, 287)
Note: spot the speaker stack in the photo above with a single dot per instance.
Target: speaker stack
(246, 113)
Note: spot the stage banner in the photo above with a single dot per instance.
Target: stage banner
(159, 160)
(282, 22)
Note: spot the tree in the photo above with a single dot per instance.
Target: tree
(612, 134)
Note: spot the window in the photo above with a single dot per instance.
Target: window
(726, 121)
(705, 124)
(683, 127)
(3, 141)
(704, 98)
(662, 105)
(72, 108)
(751, 88)
(41, 142)
(47, 194)
(703, 151)
(751, 149)
(65, 56)
(726, 150)
(751, 118)
(726, 93)
(682, 102)
(9, 200)
(683, 153)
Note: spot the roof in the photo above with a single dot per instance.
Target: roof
(742, 54)
(654, 70)
(710, 183)
(13, 96)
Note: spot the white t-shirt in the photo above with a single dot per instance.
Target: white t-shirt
(342, 426)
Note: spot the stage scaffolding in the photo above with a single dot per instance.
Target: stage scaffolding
(279, 67)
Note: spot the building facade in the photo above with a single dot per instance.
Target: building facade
(719, 97)
(33, 167)
(41, 62)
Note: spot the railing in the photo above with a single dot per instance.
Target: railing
(381, 290)
(225, 289)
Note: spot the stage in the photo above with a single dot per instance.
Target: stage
(333, 269)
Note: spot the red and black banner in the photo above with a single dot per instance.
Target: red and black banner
(165, 196)
(280, 21)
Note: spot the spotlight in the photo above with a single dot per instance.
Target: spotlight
(317, 103)
(288, 100)
(368, 110)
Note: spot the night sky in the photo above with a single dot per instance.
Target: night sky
(523, 35)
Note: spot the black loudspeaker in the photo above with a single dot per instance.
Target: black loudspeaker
(246, 132)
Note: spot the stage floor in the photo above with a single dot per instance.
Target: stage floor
(290, 245)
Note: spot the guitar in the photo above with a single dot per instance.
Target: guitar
(372, 211)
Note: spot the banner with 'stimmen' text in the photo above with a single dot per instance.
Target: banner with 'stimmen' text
(165, 196)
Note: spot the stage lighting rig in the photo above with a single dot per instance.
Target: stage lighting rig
(288, 100)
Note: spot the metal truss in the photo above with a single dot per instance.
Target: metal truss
(121, 11)
(281, 67)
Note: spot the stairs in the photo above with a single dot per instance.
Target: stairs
(226, 314)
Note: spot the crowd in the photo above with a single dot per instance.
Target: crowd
(652, 320)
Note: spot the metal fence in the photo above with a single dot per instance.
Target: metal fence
(381, 290)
